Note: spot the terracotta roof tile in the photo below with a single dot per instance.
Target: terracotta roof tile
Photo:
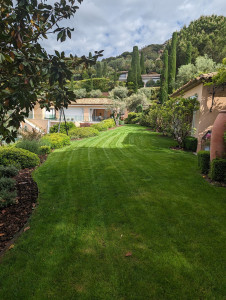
(92, 101)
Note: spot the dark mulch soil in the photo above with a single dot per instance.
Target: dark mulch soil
(14, 217)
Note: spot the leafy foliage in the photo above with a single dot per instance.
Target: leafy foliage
(18, 157)
(95, 94)
(80, 93)
(133, 118)
(220, 77)
(100, 126)
(57, 140)
(83, 132)
(28, 74)
(207, 36)
(31, 145)
(44, 150)
(8, 171)
(136, 100)
(69, 125)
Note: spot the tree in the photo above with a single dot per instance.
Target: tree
(99, 69)
(118, 96)
(220, 77)
(188, 53)
(203, 64)
(135, 71)
(164, 78)
(142, 63)
(28, 74)
(105, 69)
(172, 63)
(135, 101)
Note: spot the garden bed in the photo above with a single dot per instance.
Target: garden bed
(13, 218)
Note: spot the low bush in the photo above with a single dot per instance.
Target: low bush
(32, 145)
(96, 94)
(218, 169)
(7, 183)
(8, 171)
(80, 93)
(57, 140)
(83, 132)
(190, 143)
(7, 197)
(204, 161)
(31, 135)
(109, 122)
(100, 126)
(133, 118)
(54, 128)
(19, 158)
(44, 150)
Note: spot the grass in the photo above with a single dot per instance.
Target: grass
(123, 191)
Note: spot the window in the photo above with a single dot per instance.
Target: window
(50, 114)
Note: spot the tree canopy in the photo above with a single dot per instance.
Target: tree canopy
(30, 75)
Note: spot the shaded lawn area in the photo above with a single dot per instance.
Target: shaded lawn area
(124, 191)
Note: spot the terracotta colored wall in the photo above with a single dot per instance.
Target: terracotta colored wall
(204, 119)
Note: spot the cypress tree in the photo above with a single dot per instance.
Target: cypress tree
(105, 69)
(90, 55)
(188, 53)
(142, 63)
(172, 63)
(99, 70)
(164, 78)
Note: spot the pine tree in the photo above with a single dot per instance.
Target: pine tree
(188, 53)
(142, 63)
(172, 63)
(99, 69)
(164, 78)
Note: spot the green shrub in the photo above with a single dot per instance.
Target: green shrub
(96, 94)
(8, 171)
(204, 161)
(133, 118)
(57, 140)
(109, 122)
(100, 126)
(218, 169)
(7, 183)
(18, 157)
(7, 197)
(44, 150)
(121, 122)
(190, 143)
(103, 84)
(80, 93)
(54, 128)
(83, 132)
(31, 145)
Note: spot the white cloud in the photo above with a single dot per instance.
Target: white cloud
(116, 26)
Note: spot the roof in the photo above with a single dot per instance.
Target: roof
(192, 83)
(151, 75)
(92, 101)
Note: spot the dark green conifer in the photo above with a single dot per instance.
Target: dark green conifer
(142, 63)
(172, 63)
(164, 78)
(188, 53)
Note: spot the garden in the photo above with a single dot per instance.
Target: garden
(18, 190)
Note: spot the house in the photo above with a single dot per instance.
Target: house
(86, 110)
(145, 77)
(212, 100)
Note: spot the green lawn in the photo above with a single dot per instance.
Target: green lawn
(124, 191)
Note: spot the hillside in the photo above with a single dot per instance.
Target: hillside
(206, 34)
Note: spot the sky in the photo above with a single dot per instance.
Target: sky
(115, 26)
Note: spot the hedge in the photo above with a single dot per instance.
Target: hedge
(204, 161)
(103, 84)
(83, 132)
(57, 140)
(18, 157)
(133, 118)
(218, 169)
(190, 143)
